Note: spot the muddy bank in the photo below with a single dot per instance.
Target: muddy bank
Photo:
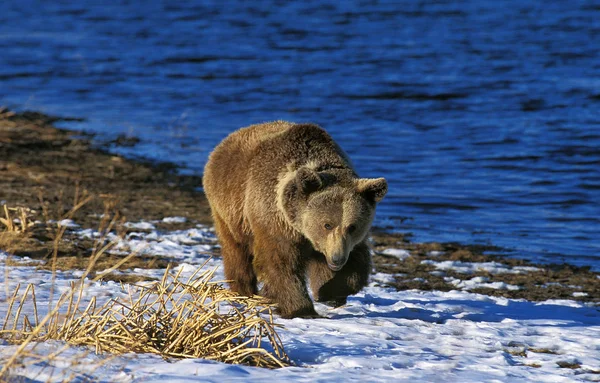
(49, 171)
(40, 161)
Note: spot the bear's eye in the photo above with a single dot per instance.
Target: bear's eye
(351, 229)
(328, 226)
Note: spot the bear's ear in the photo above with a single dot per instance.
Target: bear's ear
(308, 180)
(373, 189)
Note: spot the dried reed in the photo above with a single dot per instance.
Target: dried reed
(195, 318)
(23, 219)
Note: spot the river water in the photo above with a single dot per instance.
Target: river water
(483, 115)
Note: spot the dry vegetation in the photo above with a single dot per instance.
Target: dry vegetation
(195, 318)
(173, 317)
(16, 225)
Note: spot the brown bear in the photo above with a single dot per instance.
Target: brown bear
(287, 204)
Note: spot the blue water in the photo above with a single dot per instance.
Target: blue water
(483, 115)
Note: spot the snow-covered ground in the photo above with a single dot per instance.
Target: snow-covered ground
(380, 335)
(472, 267)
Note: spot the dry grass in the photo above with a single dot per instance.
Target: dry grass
(19, 225)
(174, 317)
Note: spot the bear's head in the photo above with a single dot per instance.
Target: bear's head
(333, 215)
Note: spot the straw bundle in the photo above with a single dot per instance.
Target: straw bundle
(197, 318)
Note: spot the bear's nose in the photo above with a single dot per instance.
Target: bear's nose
(338, 259)
(337, 262)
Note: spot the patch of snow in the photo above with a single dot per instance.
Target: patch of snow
(480, 282)
(19, 259)
(473, 267)
(401, 254)
(559, 302)
(580, 294)
(142, 225)
(384, 278)
(69, 223)
(174, 220)
(89, 233)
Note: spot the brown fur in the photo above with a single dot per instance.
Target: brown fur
(287, 203)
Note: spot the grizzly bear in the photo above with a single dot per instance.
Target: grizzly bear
(287, 204)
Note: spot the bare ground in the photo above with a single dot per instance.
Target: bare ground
(50, 171)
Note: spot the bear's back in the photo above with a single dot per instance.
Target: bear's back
(249, 138)
(246, 167)
(228, 167)
(299, 145)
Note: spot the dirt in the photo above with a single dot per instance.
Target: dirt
(49, 171)
(548, 282)
(38, 160)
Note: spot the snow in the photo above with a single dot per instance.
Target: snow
(143, 225)
(473, 267)
(480, 282)
(381, 335)
(397, 253)
(435, 253)
(69, 223)
(385, 278)
(174, 220)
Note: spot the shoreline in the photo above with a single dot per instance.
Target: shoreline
(46, 169)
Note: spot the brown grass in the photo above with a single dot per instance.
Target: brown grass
(23, 219)
(173, 317)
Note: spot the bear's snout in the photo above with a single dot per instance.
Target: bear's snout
(338, 251)
(337, 262)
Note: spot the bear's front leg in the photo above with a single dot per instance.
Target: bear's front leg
(280, 266)
(335, 286)
(237, 261)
